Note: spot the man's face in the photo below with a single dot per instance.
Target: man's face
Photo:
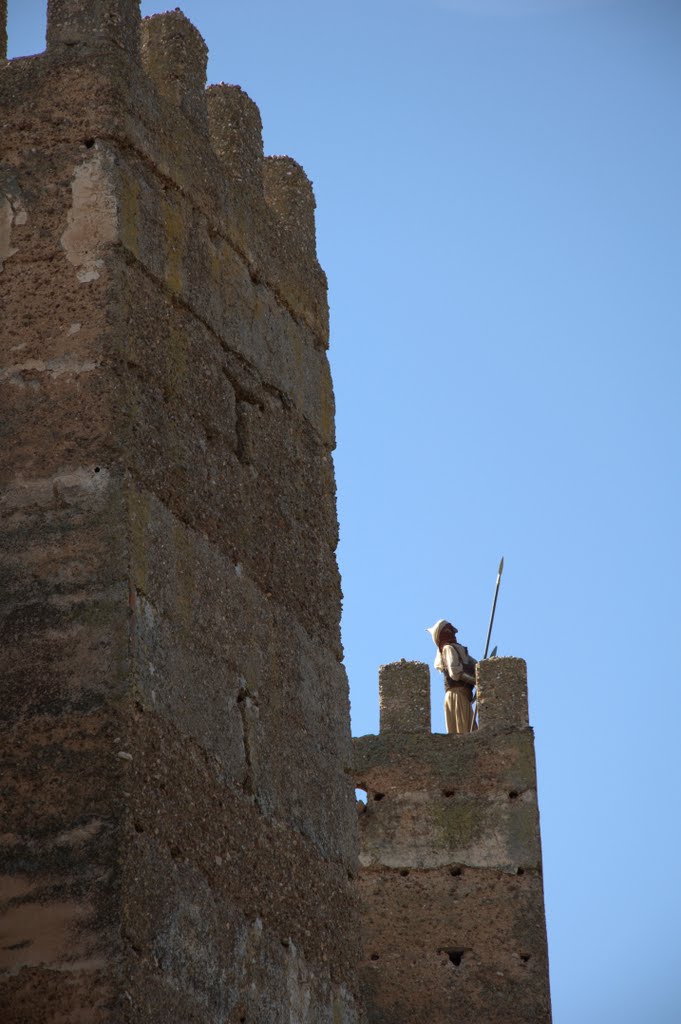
(447, 635)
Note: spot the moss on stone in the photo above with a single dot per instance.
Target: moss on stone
(458, 823)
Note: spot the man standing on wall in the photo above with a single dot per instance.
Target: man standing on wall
(454, 661)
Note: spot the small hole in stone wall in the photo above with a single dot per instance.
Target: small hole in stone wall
(96, 469)
(455, 955)
(404, 872)
(138, 827)
(361, 798)
(88, 143)
(455, 872)
(524, 957)
(448, 792)
(175, 852)
(513, 795)
(375, 956)
(520, 871)
(378, 796)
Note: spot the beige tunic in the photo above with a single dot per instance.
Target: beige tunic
(459, 715)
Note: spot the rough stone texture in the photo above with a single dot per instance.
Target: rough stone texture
(502, 693)
(3, 29)
(178, 833)
(453, 927)
(404, 697)
(93, 23)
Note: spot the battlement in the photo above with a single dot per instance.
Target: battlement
(404, 695)
(149, 78)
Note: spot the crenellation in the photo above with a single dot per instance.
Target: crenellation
(236, 136)
(154, 132)
(502, 693)
(175, 57)
(288, 191)
(94, 23)
(296, 273)
(404, 697)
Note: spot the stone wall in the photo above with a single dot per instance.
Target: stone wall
(178, 833)
(3, 29)
(451, 874)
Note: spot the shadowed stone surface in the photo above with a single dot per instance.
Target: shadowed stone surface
(178, 831)
(451, 891)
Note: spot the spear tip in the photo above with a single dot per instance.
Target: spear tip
(501, 566)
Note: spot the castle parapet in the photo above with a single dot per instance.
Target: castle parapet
(404, 695)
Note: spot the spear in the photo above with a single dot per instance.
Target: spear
(494, 608)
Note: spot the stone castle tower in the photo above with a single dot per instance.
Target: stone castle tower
(450, 883)
(179, 838)
(177, 828)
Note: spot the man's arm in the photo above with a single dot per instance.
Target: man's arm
(453, 662)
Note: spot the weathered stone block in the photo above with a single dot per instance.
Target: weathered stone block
(236, 134)
(446, 801)
(502, 693)
(194, 607)
(175, 57)
(189, 256)
(404, 697)
(187, 824)
(288, 191)
(461, 948)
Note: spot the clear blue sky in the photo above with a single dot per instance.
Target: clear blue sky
(498, 213)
